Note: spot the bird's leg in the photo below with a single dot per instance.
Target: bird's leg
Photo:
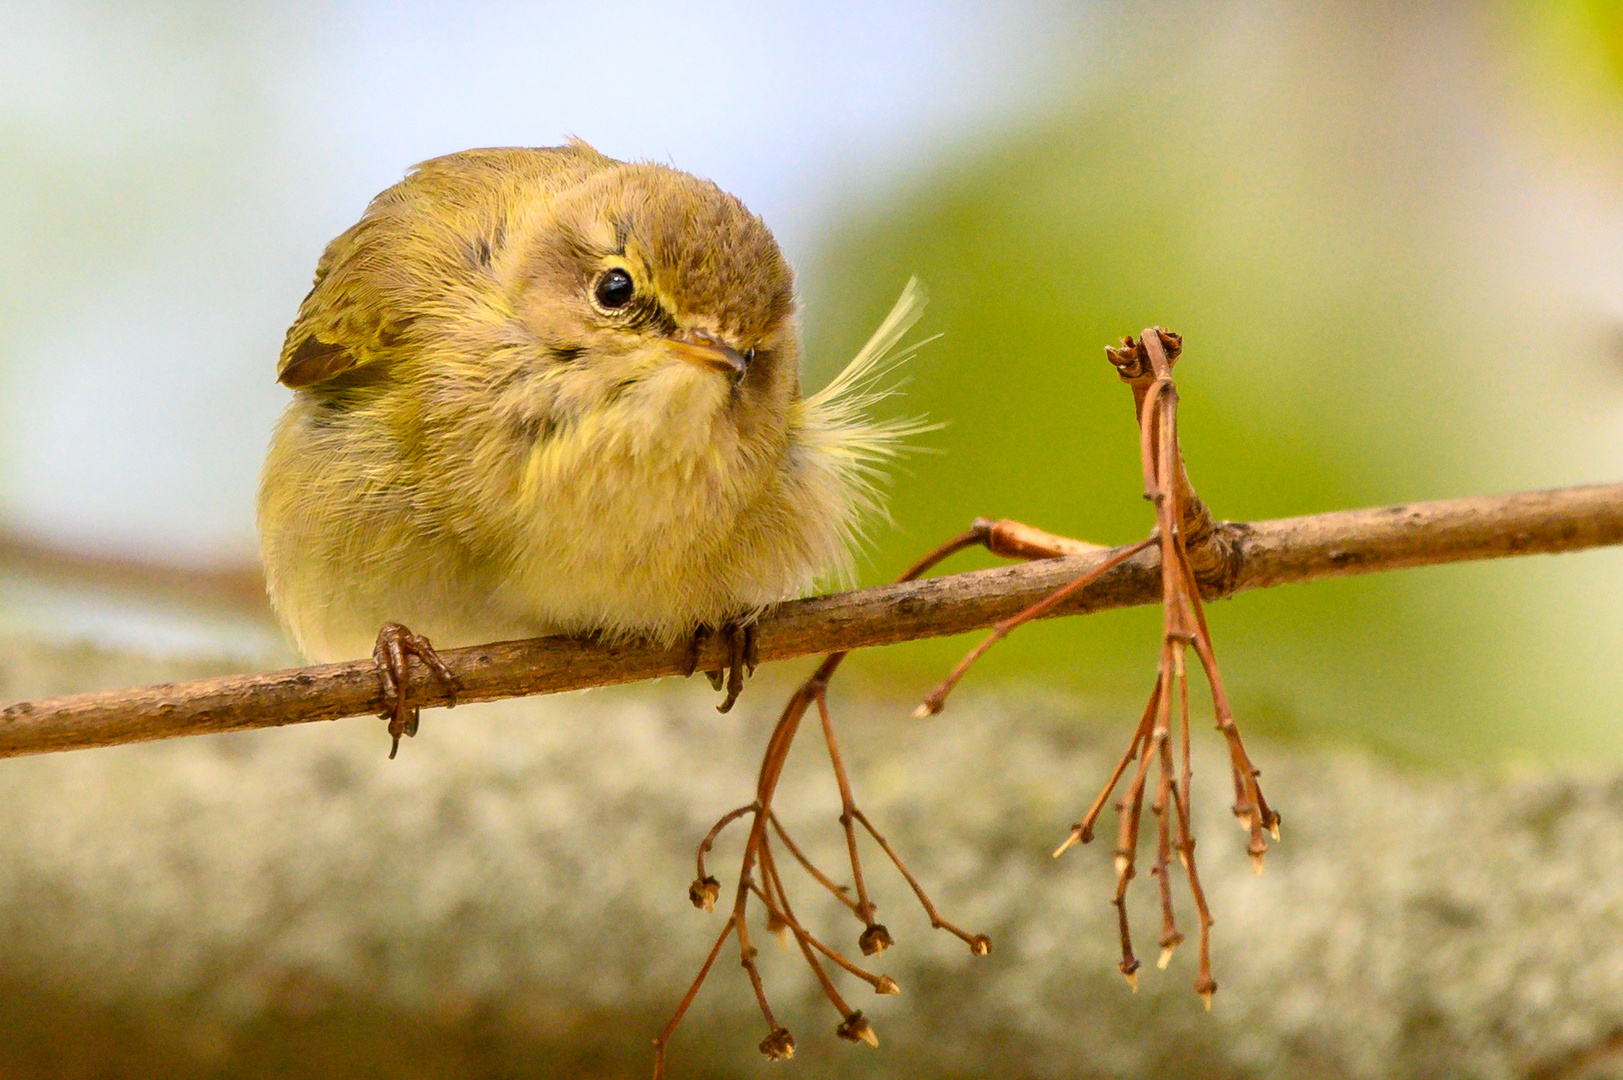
(743, 653)
(395, 645)
(701, 634)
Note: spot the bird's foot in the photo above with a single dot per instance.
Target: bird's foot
(395, 645)
(743, 653)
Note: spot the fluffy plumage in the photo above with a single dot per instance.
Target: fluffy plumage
(483, 444)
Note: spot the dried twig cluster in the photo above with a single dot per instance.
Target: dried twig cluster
(1182, 524)
(759, 876)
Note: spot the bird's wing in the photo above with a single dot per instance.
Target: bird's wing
(349, 317)
(430, 236)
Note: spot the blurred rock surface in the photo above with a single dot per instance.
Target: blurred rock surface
(509, 900)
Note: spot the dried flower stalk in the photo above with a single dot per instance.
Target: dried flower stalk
(770, 890)
(1183, 525)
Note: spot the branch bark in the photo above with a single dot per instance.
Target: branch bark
(1255, 555)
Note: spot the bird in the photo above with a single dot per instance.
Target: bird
(543, 391)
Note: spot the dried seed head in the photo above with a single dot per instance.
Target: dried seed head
(980, 945)
(1205, 987)
(778, 1046)
(1123, 863)
(886, 985)
(1127, 357)
(1169, 945)
(1273, 826)
(703, 893)
(1259, 852)
(1242, 816)
(874, 940)
(779, 929)
(1171, 343)
(856, 1028)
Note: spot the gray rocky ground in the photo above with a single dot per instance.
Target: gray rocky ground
(508, 899)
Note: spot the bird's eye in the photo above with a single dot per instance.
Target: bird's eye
(614, 289)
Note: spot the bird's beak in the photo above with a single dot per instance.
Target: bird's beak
(712, 354)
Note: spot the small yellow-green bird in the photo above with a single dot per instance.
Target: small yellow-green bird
(542, 391)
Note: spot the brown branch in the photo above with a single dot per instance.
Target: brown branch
(236, 586)
(1252, 555)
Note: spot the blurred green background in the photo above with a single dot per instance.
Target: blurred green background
(1392, 236)
(1367, 222)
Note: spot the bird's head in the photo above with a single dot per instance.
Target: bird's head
(656, 300)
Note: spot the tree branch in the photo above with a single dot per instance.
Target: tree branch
(238, 587)
(1254, 555)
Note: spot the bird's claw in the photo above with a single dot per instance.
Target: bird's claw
(394, 646)
(743, 654)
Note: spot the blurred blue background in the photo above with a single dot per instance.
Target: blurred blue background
(1392, 235)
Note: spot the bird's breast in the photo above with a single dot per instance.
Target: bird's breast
(650, 520)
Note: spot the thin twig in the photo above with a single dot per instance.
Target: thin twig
(675, 1021)
(882, 984)
(979, 944)
(865, 906)
(1082, 831)
(853, 1026)
(937, 698)
(705, 889)
(840, 892)
(781, 908)
(1255, 556)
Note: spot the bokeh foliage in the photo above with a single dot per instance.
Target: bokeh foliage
(1346, 346)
